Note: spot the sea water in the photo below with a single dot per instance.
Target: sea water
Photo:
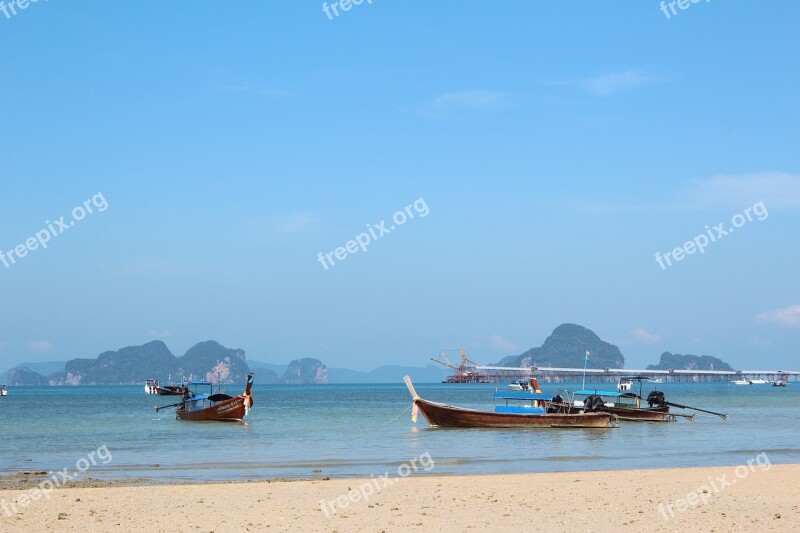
(358, 430)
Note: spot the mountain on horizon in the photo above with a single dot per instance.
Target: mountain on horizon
(208, 360)
(53, 373)
(670, 361)
(45, 368)
(566, 347)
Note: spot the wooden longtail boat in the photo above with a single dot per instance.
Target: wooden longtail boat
(214, 406)
(171, 390)
(595, 402)
(152, 386)
(443, 415)
(624, 403)
(627, 405)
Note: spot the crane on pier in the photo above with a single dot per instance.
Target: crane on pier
(465, 372)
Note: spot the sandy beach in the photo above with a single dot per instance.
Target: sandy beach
(758, 498)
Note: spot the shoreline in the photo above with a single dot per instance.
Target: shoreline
(27, 479)
(741, 498)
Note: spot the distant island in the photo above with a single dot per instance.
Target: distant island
(153, 360)
(207, 360)
(670, 361)
(566, 347)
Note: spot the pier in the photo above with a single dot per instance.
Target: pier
(500, 374)
(468, 371)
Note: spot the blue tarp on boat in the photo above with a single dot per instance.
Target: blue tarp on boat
(614, 394)
(198, 398)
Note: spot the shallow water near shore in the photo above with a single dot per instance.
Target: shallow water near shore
(360, 430)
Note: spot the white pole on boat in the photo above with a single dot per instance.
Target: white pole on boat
(585, 362)
(410, 387)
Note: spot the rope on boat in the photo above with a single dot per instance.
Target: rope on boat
(709, 416)
(398, 416)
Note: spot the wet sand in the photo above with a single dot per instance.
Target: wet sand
(756, 498)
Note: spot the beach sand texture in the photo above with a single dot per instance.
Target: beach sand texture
(758, 500)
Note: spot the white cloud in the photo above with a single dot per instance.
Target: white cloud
(159, 333)
(41, 346)
(498, 342)
(614, 82)
(472, 99)
(642, 335)
(784, 316)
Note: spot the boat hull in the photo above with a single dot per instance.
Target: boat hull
(637, 414)
(170, 391)
(232, 410)
(441, 415)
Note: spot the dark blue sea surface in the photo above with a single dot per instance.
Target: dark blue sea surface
(357, 430)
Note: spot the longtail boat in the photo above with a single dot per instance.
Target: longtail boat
(536, 415)
(625, 403)
(171, 390)
(152, 386)
(213, 406)
(628, 405)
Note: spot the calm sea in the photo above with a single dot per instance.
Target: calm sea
(351, 430)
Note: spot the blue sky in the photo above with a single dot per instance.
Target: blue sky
(557, 145)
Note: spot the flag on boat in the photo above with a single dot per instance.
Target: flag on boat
(587, 355)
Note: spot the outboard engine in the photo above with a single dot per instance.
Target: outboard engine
(598, 403)
(553, 407)
(587, 403)
(655, 398)
(592, 403)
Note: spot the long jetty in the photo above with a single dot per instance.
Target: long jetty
(500, 374)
